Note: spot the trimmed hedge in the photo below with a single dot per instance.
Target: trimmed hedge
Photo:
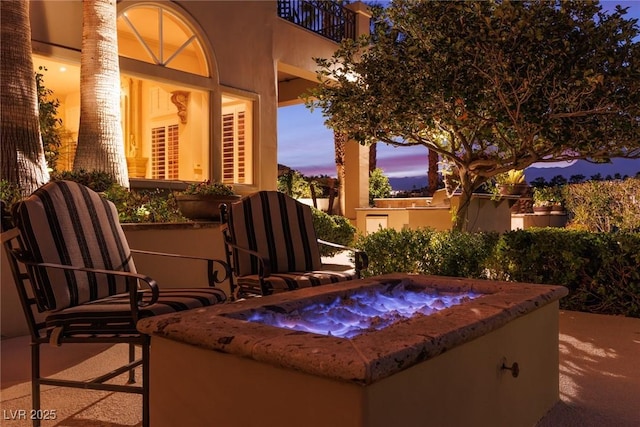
(455, 253)
(599, 269)
(426, 251)
(332, 228)
(392, 251)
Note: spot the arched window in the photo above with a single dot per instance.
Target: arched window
(172, 122)
(166, 124)
(154, 34)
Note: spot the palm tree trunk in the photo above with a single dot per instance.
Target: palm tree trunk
(22, 160)
(339, 141)
(100, 140)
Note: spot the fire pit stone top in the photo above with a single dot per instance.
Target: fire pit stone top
(365, 358)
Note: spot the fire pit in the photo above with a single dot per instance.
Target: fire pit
(359, 311)
(492, 359)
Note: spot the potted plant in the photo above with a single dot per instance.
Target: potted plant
(557, 201)
(511, 182)
(542, 200)
(201, 201)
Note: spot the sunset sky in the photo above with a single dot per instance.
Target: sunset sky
(305, 144)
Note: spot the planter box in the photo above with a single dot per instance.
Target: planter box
(541, 210)
(512, 189)
(202, 207)
(548, 219)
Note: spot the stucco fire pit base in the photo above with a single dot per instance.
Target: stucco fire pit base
(442, 370)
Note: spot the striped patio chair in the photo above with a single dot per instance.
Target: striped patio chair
(271, 246)
(71, 261)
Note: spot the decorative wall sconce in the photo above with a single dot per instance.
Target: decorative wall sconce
(180, 99)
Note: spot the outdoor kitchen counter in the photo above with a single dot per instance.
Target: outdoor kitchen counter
(368, 357)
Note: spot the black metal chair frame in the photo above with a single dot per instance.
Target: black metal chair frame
(361, 261)
(42, 334)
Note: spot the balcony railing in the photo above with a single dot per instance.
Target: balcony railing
(326, 18)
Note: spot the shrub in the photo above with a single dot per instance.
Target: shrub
(208, 188)
(144, 206)
(599, 269)
(96, 180)
(604, 206)
(548, 195)
(379, 186)
(426, 251)
(50, 124)
(545, 255)
(332, 228)
(460, 254)
(293, 184)
(615, 288)
(9, 194)
(392, 251)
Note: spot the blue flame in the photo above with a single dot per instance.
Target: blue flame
(364, 310)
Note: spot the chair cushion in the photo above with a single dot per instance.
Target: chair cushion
(281, 282)
(113, 314)
(64, 222)
(277, 226)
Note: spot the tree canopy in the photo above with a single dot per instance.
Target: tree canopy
(491, 86)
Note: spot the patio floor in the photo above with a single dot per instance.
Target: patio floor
(599, 379)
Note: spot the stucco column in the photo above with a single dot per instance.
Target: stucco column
(363, 17)
(356, 156)
(356, 171)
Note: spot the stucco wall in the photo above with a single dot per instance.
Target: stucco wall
(57, 22)
(291, 47)
(485, 214)
(187, 239)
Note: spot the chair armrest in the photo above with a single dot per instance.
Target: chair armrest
(212, 273)
(265, 264)
(334, 245)
(10, 234)
(361, 258)
(133, 280)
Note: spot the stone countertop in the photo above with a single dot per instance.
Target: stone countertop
(368, 357)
